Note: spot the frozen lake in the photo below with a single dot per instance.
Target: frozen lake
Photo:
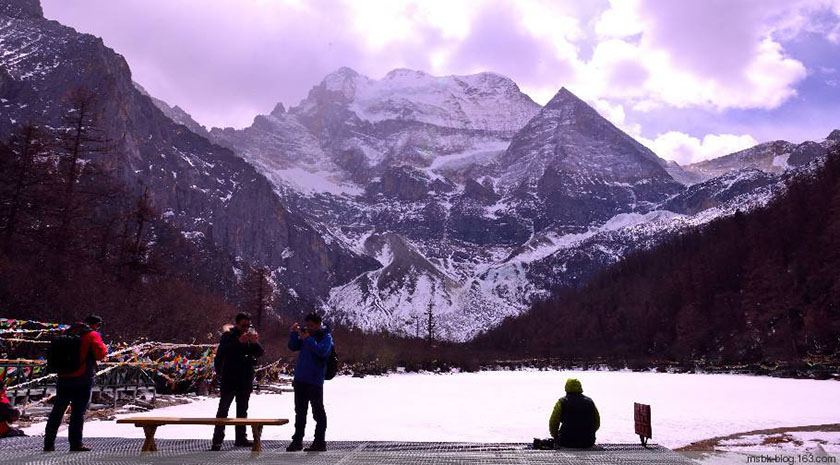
(514, 406)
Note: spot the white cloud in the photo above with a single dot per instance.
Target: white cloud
(713, 54)
(686, 149)
(620, 20)
(834, 34)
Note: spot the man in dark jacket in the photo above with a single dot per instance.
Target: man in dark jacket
(579, 417)
(74, 388)
(236, 356)
(314, 342)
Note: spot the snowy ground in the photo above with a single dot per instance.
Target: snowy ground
(514, 406)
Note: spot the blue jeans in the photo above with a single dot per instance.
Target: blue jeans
(73, 392)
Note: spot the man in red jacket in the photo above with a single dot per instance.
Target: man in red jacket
(74, 388)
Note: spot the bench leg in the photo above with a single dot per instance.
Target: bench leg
(149, 445)
(256, 432)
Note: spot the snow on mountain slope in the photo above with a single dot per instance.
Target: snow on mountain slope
(463, 102)
(287, 154)
(350, 128)
(770, 157)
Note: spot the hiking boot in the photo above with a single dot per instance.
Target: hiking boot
(82, 448)
(294, 447)
(244, 443)
(215, 447)
(49, 448)
(316, 447)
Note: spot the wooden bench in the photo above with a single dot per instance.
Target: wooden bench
(151, 424)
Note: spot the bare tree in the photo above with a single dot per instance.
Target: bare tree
(79, 139)
(136, 229)
(430, 322)
(20, 175)
(260, 293)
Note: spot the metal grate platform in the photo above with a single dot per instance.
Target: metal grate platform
(114, 451)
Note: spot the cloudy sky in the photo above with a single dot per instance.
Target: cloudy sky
(692, 79)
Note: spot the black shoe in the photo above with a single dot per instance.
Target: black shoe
(294, 447)
(81, 448)
(244, 443)
(49, 448)
(316, 447)
(216, 447)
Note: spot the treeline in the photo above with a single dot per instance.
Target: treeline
(75, 240)
(750, 288)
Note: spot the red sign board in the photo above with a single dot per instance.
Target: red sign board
(641, 415)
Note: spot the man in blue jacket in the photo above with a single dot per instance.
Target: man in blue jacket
(314, 342)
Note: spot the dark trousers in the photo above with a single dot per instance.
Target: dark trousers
(76, 394)
(242, 396)
(306, 394)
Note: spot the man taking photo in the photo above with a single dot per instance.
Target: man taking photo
(236, 356)
(314, 342)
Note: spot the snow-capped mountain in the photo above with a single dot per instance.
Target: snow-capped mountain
(580, 168)
(350, 129)
(462, 102)
(468, 221)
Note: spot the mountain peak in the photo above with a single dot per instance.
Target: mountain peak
(278, 110)
(564, 97)
(404, 72)
(22, 9)
(343, 80)
(344, 72)
(835, 135)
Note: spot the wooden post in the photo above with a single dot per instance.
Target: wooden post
(256, 431)
(149, 445)
(641, 417)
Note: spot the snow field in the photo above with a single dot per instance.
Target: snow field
(514, 406)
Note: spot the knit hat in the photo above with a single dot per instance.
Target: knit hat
(573, 386)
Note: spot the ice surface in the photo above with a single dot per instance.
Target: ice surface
(514, 406)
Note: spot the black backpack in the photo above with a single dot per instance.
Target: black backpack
(332, 364)
(63, 354)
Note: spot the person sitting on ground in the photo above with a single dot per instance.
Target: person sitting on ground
(8, 414)
(579, 418)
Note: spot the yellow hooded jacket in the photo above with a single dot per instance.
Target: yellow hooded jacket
(573, 386)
